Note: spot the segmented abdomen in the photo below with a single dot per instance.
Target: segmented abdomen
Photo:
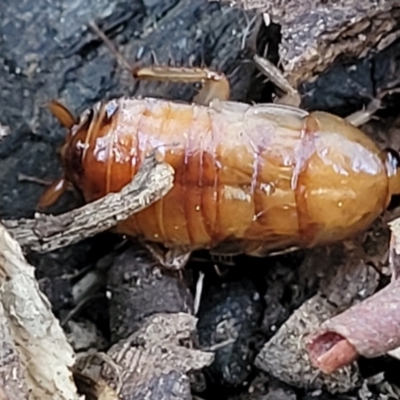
(263, 176)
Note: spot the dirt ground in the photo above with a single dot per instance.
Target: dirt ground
(48, 52)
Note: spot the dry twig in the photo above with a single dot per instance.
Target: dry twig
(46, 233)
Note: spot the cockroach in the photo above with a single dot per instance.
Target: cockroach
(252, 179)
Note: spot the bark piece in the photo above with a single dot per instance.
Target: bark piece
(315, 33)
(12, 381)
(47, 232)
(151, 363)
(39, 347)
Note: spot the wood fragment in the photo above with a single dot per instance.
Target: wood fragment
(152, 363)
(46, 233)
(36, 358)
(12, 382)
(316, 33)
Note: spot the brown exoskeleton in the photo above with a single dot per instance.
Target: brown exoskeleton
(252, 179)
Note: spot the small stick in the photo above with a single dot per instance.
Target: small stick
(46, 233)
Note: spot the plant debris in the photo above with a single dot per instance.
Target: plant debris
(151, 363)
(39, 359)
(316, 33)
(46, 233)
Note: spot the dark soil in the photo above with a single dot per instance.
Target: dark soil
(47, 51)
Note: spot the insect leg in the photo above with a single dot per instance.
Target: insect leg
(61, 185)
(53, 193)
(172, 259)
(361, 117)
(291, 96)
(64, 116)
(215, 85)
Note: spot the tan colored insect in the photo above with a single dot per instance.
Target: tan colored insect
(248, 179)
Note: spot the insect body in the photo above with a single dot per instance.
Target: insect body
(248, 179)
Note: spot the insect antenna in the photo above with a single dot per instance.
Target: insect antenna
(120, 58)
(63, 114)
